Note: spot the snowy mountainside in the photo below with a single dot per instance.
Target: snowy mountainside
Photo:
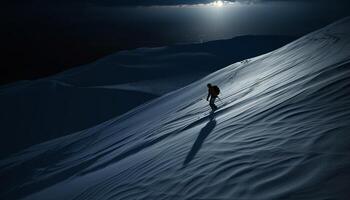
(173, 66)
(281, 132)
(40, 110)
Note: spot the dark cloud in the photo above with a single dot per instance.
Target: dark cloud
(109, 2)
(152, 2)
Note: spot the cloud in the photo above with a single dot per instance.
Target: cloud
(150, 2)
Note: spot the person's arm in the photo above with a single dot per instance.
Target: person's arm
(208, 95)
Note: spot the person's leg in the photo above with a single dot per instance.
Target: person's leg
(212, 106)
(212, 103)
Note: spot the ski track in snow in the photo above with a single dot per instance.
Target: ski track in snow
(281, 132)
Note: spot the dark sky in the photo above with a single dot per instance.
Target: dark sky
(43, 37)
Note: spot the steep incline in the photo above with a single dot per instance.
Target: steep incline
(281, 133)
(85, 96)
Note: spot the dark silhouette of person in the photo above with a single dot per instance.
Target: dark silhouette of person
(213, 94)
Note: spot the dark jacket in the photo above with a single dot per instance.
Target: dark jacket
(211, 92)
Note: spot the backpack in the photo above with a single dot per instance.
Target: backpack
(216, 90)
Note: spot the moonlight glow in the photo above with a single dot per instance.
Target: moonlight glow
(218, 3)
(215, 4)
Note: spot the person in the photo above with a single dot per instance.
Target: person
(213, 92)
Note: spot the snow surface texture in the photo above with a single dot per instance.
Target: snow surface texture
(37, 111)
(281, 132)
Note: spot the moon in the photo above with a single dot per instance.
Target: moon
(218, 3)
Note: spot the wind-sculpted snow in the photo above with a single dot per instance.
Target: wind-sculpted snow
(281, 132)
(80, 98)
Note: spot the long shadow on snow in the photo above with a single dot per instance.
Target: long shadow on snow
(203, 134)
(149, 142)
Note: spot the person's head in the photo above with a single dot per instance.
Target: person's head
(208, 85)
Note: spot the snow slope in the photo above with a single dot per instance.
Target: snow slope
(282, 132)
(175, 66)
(40, 110)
